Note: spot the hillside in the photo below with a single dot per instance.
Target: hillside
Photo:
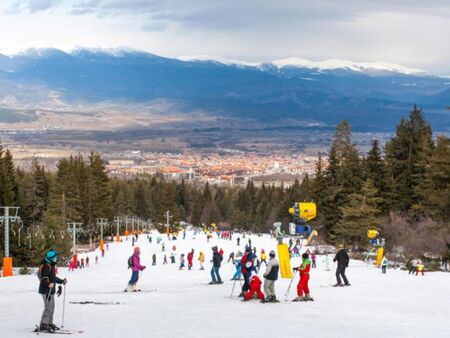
(285, 92)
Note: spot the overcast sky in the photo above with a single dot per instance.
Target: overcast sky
(409, 32)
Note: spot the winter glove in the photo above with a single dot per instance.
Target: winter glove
(59, 290)
(64, 281)
(295, 269)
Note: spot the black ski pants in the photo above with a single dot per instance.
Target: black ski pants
(340, 271)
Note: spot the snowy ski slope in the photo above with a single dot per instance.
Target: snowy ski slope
(183, 305)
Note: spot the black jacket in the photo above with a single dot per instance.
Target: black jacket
(217, 259)
(342, 258)
(47, 276)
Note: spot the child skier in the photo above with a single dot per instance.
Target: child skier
(201, 259)
(302, 286)
(154, 259)
(237, 264)
(82, 263)
(172, 258)
(420, 268)
(134, 262)
(47, 280)
(165, 259)
(263, 257)
(181, 262)
(190, 258)
(255, 287)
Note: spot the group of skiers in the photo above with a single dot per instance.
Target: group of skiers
(247, 265)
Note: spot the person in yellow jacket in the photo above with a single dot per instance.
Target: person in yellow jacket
(420, 268)
(263, 257)
(201, 259)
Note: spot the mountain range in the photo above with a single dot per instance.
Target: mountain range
(292, 91)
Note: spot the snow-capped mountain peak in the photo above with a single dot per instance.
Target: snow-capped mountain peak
(333, 64)
(218, 59)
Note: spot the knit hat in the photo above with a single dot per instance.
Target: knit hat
(52, 256)
(272, 253)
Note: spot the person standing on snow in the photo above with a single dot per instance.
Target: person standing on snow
(313, 260)
(384, 265)
(302, 286)
(165, 259)
(342, 260)
(238, 241)
(217, 259)
(420, 268)
(271, 275)
(247, 266)
(263, 257)
(237, 264)
(136, 267)
(47, 280)
(154, 259)
(181, 262)
(201, 260)
(190, 258)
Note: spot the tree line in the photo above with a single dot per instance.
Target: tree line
(400, 188)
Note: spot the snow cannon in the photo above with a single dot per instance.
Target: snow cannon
(302, 212)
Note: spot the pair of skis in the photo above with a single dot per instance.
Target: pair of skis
(61, 331)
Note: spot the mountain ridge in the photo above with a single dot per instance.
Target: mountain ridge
(264, 93)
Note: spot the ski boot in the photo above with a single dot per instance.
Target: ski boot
(54, 327)
(308, 298)
(347, 284)
(274, 300)
(338, 284)
(297, 299)
(212, 282)
(46, 328)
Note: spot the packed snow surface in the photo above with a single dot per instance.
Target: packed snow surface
(183, 305)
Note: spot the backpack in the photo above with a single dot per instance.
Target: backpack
(130, 262)
(39, 272)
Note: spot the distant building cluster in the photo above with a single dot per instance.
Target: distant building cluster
(235, 168)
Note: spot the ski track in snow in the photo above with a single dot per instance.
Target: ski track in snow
(392, 305)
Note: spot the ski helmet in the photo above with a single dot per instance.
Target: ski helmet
(52, 256)
(272, 253)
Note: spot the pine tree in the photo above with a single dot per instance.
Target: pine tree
(375, 170)
(434, 190)
(407, 155)
(359, 216)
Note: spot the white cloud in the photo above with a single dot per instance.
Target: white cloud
(413, 33)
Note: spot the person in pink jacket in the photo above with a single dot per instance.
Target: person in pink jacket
(134, 263)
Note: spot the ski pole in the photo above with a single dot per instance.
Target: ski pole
(331, 274)
(64, 307)
(232, 290)
(289, 287)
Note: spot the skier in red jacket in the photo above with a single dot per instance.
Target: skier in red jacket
(302, 286)
(255, 287)
(190, 257)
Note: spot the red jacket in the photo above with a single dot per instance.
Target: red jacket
(190, 256)
(305, 267)
(255, 282)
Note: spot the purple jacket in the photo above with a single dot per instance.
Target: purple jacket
(137, 263)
